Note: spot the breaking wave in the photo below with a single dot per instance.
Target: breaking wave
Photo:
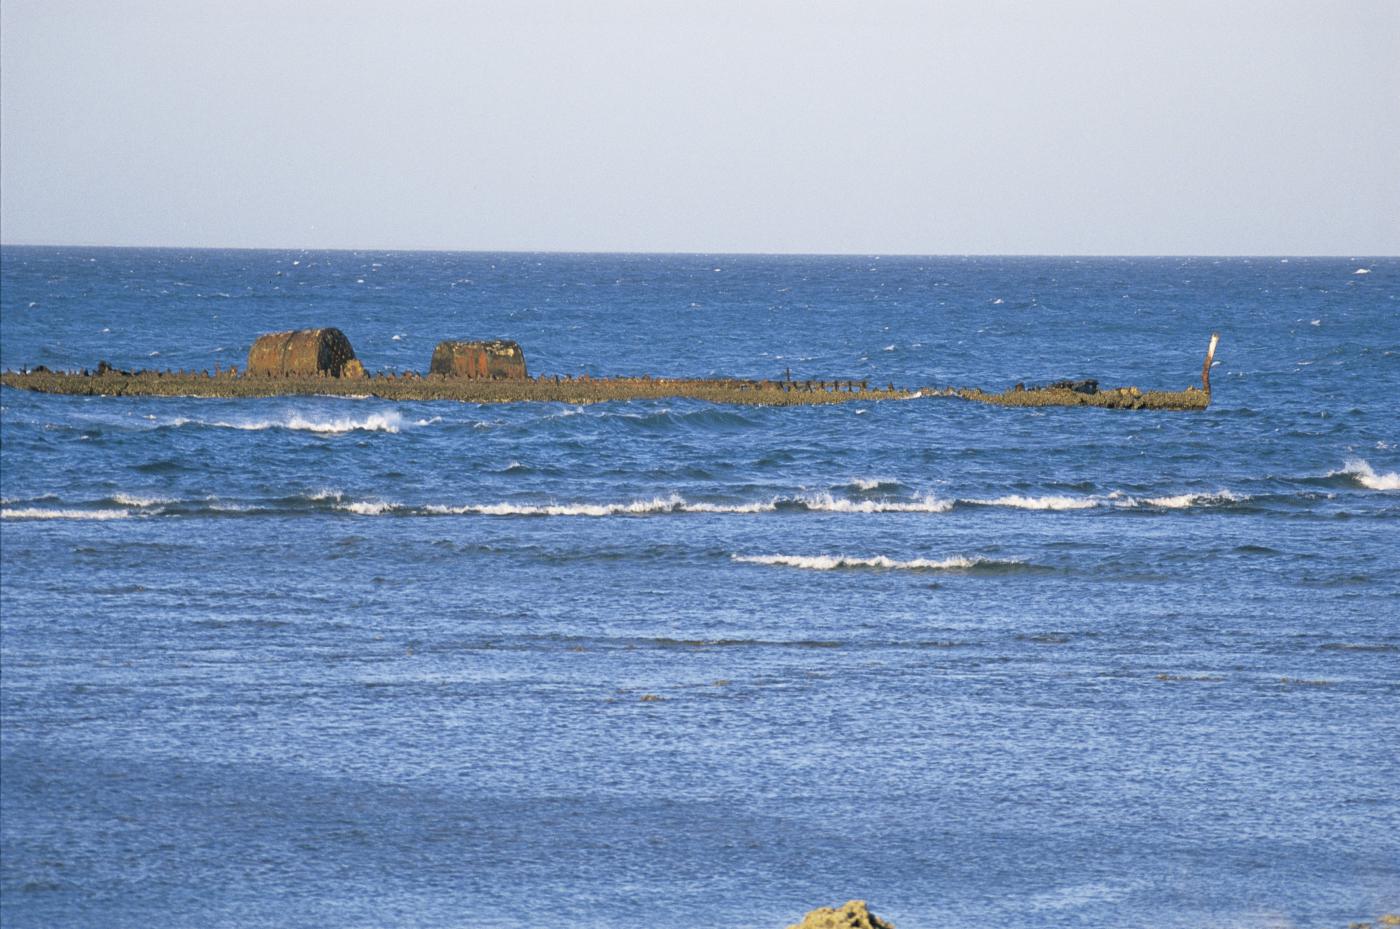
(671, 504)
(332, 500)
(883, 562)
(40, 513)
(867, 484)
(826, 503)
(389, 421)
(141, 502)
(1361, 472)
(1040, 503)
(675, 503)
(1183, 501)
(367, 507)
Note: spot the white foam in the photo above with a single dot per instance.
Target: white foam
(669, 504)
(1362, 271)
(872, 483)
(374, 422)
(1183, 501)
(1361, 471)
(37, 513)
(826, 503)
(1040, 503)
(389, 421)
(220, 506)
(822, 503)
(833, 562)
(756, 507)
(367, 507)
(140, 502)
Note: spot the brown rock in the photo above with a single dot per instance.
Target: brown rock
(853, 915)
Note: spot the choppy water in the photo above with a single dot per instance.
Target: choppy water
(343, 662)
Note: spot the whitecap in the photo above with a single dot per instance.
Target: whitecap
(1184, 501)
(872, 483)
(756, 507)
(826, 503)
(1362, 271)
(389, 421)
(669, 504)
(1040, 503)
(367, 507)
(38, 513)
(375, 422)
(140, 502)
(1362, 473)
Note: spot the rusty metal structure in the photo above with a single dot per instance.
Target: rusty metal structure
(300, 353)
(496, 360)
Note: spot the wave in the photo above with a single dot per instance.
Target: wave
(671, 504)
(333, 500)
(826, 503)
(133, 500)
(1361, 472)
(1183, 501)
(867, 484)
(818, 503)
(40, 513)
(883, 562)
(367, 507)
(389, 421)
(1039, 503)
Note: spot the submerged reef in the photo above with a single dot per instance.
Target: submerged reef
(320, 362)
(109, 382)
(413, 386)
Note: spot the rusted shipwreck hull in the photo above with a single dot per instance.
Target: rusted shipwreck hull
(496, 360)
(303, 353)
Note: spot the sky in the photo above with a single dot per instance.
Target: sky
(873, 127)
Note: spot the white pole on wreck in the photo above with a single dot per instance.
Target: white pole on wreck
(1210, 358)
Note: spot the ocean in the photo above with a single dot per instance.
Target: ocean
(343, 662)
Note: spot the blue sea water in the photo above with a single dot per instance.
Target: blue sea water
(343, 662)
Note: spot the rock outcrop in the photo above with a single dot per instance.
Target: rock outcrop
(854, 914)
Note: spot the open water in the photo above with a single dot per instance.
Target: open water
(664, 664)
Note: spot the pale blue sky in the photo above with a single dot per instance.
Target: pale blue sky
(1072, 127)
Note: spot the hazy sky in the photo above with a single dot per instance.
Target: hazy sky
(1215, 127)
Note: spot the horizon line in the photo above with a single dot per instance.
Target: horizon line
(1353, 256)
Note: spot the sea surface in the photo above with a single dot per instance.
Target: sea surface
(341, 662)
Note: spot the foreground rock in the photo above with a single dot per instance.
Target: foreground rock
(854, 914)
